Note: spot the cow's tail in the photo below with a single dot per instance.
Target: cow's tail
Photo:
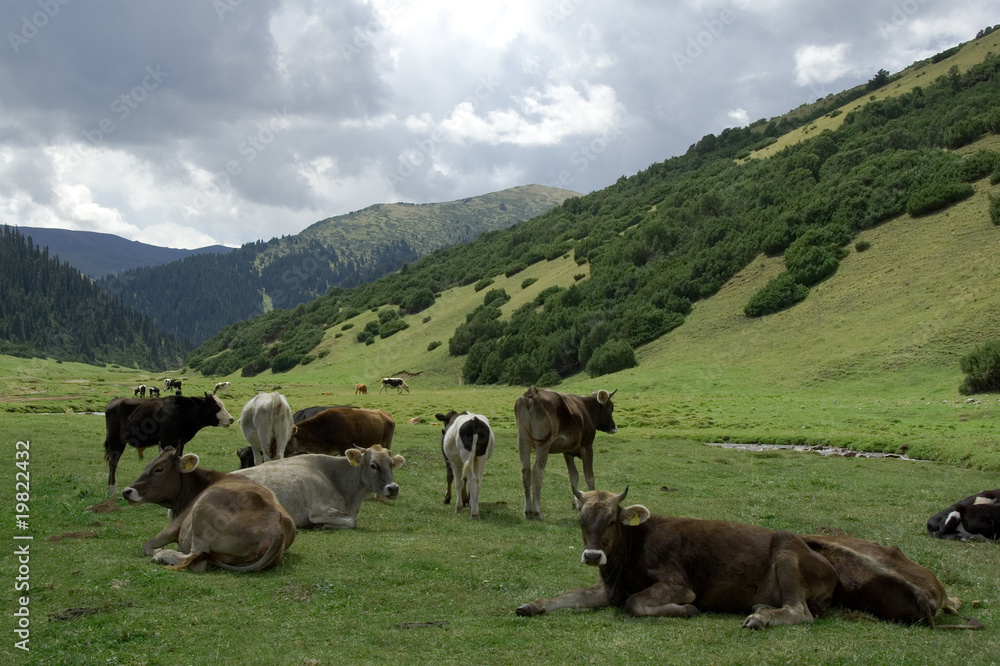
(272, 555)
(191, 559)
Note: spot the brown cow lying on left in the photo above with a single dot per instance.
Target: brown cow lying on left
(661, 565)
(224, 520)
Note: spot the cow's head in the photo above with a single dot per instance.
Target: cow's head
(160, 482)
(376, 469)
(601, 519)
(603, 420)
(215, 405)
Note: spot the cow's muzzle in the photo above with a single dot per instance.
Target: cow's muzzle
(392, 490)
(594, 558)
(132, 495)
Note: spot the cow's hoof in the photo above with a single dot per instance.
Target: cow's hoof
(754, 622)
(528, 610)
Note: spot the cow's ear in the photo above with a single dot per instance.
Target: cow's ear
(635, 514)
(355, 456)
(603, 396)
(295, 429)
(442, 418)
(188, 462)
(397, 461)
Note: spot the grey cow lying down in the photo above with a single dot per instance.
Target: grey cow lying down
(325, 491)
(661, 565)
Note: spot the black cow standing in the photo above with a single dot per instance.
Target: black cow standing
(162, 422)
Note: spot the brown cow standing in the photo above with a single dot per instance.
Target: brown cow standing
(337, 429)
(661, 565)
(552, 422)
(360, 389)
(221, 519)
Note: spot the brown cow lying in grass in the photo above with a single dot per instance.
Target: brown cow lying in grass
(661, 565)
(220, 519)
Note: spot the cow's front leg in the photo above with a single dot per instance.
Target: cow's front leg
(574, 475)
(664, 599)
(583, 597)
(798, 575)
(330, 518)
(168, 534)
(587, 456)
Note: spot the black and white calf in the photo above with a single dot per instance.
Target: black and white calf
(140, 391)
(172, 383)
(977, 518)
(394, 382)
(467, 443)
(154, 391)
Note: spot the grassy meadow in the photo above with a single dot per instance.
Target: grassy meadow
(869, 361)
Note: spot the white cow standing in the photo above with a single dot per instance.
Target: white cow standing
(266, 421)
(467, 443)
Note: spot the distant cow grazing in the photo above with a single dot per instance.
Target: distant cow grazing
(172, 384)
(266, 421)
(552, 422)
(154, 391)
(325, 491)
(140, 391)
(661, 565)
(467, 443)
(393, 382)
(333, 431)
(221, 520)
(221, 387)
(162, 422)
(975, 518)
(360, 389)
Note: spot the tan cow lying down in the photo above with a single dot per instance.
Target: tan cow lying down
(660, 565)
(325, 491)
(221, 519)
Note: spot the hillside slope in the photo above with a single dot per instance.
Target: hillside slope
(195, 297)
(96, 254)
(661, 241)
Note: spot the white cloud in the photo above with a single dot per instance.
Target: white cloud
(821, 64)
(740, 117)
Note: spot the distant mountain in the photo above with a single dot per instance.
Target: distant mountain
(50, 309)
(96, 254)
(199, 295)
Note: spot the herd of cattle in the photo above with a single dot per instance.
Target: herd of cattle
(315, 467)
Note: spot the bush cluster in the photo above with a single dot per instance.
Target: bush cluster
(982, 369)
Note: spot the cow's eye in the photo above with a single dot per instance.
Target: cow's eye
(374, 466)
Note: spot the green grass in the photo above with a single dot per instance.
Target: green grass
(418, 583)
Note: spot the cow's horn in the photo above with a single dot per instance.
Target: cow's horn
(621, 498)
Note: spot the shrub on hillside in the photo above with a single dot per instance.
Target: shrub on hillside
(496, 297)
(936, 196)
(982, 369)
(392, 327)
(810, 264)
(527, 282)
(995, 208)
(482, 284)
(612, 356)
(779, 294)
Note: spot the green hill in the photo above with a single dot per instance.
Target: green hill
(194, 297)
(654, 245)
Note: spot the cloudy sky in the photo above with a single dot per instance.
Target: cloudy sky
(192, 122)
